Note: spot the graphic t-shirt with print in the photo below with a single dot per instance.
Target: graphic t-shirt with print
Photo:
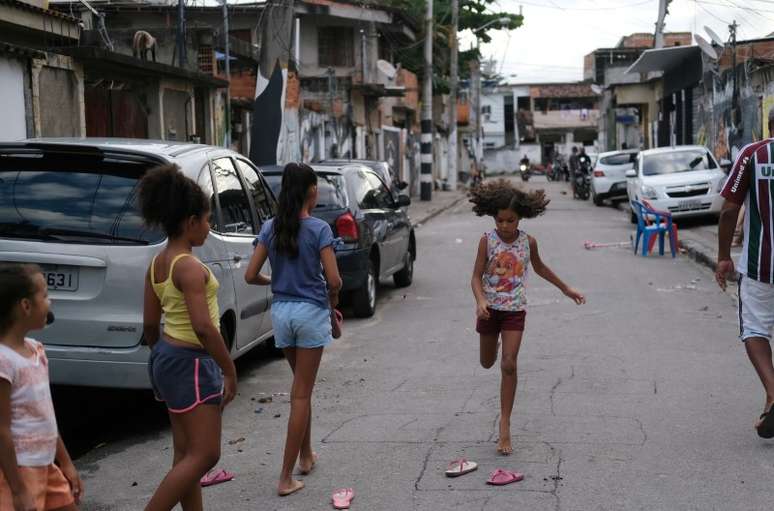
(33, 423)
(751, 182)
(506, 272)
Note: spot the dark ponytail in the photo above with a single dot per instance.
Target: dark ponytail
(297, 179)
(168, 199)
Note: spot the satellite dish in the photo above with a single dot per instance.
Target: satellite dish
(706, 47)
(596, 89)
(386, 69)
(714, 36)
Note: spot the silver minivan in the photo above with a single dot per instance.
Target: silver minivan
(69, 205)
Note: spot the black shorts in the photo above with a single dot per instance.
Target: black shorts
(184, 378)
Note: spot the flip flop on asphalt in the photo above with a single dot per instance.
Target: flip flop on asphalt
(216, 477)
(296, 485)
(342, 498)
(460, 467)
(307, 471)
(766, 426)
(502, 477)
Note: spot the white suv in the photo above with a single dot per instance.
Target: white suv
(70, 206)
(608, 181)
(684, 180)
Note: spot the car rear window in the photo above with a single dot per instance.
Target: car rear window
(94, 202)
(619, 159)
(331, 193)
(677, 161)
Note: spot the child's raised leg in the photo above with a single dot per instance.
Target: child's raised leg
(307, 361)
(511, 345)
(202, 428)
(488, 348)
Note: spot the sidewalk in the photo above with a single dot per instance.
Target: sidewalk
(422, 211)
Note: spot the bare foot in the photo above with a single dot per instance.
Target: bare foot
(504, 443)
(283, 490)
(504, 446)
(305, 467)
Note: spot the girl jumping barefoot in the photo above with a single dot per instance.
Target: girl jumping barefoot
(499, 283)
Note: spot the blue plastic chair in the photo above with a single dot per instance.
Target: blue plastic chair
(651, 222)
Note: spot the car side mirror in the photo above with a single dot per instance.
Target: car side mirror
(404, 201)
(631, 173)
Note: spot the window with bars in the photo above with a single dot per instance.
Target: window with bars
(335, 46)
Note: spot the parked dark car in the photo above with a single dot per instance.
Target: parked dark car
(376, 233)
(382, 169)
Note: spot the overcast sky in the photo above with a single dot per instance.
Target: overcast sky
(557, 33)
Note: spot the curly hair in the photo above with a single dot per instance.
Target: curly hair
(167, 198)
(17, 282)
(493, 196)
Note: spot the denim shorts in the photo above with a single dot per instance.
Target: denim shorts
(184, 378)
(300, 325)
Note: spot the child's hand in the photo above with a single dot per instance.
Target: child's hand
(23, 501)
(229, 388)
(482, 310)
(575, 296)
(76, 485)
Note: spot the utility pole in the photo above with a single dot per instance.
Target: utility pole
(181, 47)
(735, 94)
(662, 12)
(426, 159)
(455, 13)
(227, 137)
(475, 80)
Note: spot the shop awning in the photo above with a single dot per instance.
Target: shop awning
(664, 59)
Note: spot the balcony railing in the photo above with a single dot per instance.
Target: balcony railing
(565, 119)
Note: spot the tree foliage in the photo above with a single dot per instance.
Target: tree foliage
(472, 15)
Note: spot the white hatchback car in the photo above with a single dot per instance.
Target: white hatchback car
(70, 206)
(608, 181)
(684, 180)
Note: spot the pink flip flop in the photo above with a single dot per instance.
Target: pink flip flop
(337, 318)
(216, 477)
(342, 498)
(502, 477)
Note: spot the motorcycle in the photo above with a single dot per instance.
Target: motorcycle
(581, 186)
(524, 171)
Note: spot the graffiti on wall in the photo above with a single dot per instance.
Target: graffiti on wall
(715, 126)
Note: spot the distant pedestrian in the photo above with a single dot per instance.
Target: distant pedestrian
(305, 282)
(751, 183)
(190, 366)
(499, 283)
(29, 438)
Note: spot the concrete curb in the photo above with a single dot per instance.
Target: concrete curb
(434, 213)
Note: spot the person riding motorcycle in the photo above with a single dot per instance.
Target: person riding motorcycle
(580, 166)
(524, 167)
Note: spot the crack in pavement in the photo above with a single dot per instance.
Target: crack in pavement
(557, 476)
(405, 380)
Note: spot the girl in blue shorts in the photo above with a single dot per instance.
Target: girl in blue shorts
(499, 283)
(305, 282)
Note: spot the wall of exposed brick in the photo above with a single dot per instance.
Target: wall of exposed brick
(645, 40)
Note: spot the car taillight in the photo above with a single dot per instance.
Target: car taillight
(599, 173)
(346, 227)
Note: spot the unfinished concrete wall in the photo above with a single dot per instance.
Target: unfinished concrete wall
(60, 102)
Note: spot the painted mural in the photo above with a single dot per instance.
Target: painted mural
(715, 126)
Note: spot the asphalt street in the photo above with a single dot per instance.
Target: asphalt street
(641, 399)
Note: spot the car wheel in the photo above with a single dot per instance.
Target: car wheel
(598, 201)
(405, 277)
(364, 298)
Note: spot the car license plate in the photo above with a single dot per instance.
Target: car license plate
(689, 204)
(61, 278)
